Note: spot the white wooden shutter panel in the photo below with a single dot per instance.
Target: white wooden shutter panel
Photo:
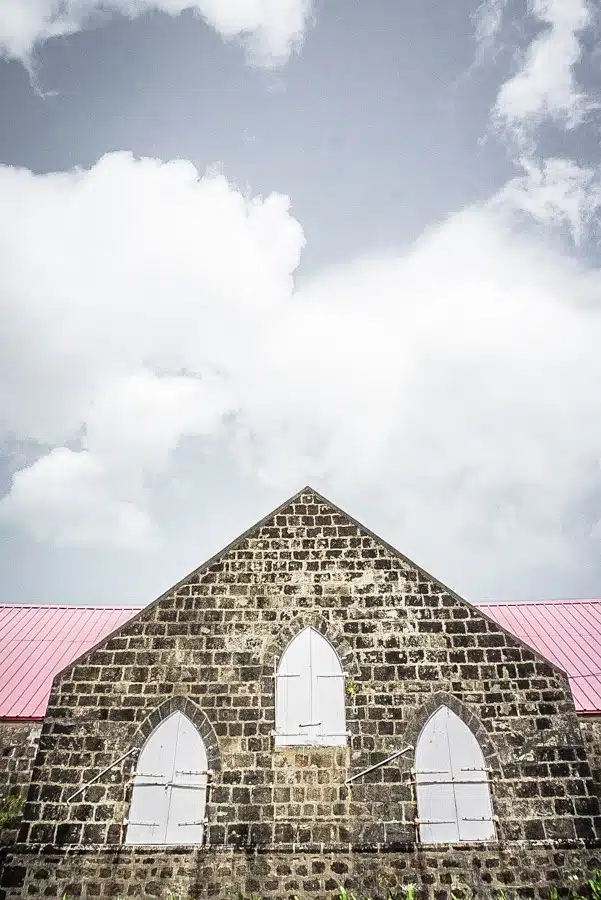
(327, 693)
(150, 799)
(185, 823)
(472, 790)
(435, 796)
(293, 693)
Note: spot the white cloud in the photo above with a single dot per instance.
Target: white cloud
(545, 87)
(455, 384)
(144, 279)
(488, 21)
(69, 499)
(557, 193)
(131, 264)
(270, 29)
(137, 421)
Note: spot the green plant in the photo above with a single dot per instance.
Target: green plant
(594, 884)
(11, 807)
(351, 688)
(343, 894)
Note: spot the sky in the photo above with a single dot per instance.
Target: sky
(248, 245)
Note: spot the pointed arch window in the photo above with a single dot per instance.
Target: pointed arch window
(453, 794)
(170, 786)
(310, 693)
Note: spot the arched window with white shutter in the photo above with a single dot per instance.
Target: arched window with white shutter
(310, 693)
(453, 793)
(170, 786)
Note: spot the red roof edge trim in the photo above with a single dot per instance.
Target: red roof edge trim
(17, 719)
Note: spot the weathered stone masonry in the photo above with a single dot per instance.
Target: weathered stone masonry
(210, 646)
(591, 732)
(18, 747)
(464, 870)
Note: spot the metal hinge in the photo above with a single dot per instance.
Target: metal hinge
(449, 781)
(434, 821)
(414, 771)
(193, 772)
(148, 824)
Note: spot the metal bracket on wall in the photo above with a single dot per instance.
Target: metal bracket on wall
(380, 764)
(100, 774)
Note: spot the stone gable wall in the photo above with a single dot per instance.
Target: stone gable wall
(210, 646)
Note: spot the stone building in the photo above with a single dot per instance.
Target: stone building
(36, 642)
(308, 709)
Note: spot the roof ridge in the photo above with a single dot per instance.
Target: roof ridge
(568, 602)
(70, 606)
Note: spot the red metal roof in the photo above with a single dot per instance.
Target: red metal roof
(566, 632)
(36, 642)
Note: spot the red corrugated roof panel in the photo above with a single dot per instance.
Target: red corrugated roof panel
(568, 633)
(36, 642)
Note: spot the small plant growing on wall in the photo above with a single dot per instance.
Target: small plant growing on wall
(11, 807)
(343, 894)
(351, 688)
(594, 884)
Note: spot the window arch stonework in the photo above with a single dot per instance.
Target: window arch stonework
(467, 715)
(194, 713)
(288, 631)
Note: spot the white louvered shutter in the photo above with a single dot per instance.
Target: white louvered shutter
(453, 794)
(169, 793)
(310, 706)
